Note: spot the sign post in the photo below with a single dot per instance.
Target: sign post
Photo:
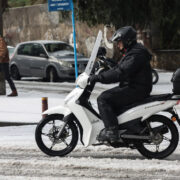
(66, 5)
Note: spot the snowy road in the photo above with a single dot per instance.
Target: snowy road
(20, 157)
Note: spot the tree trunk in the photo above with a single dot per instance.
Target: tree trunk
(2, 79)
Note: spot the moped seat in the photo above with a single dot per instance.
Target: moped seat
(151, 98)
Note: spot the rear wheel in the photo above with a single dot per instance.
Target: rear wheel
(15, 73)
(164, 140)
(47, 136)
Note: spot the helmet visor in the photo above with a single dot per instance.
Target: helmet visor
(116, 37)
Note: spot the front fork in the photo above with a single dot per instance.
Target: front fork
(66, 120)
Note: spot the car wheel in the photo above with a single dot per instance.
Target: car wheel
(52, 75)
(15, 73)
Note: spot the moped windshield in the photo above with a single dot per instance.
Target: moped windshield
(92, 58)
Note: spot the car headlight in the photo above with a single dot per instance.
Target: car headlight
(65, 64)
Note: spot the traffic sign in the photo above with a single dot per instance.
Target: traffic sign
(66, 5)
(59, 5)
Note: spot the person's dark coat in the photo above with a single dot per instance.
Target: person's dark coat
(134, 70)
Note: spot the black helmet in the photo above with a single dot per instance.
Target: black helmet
(125, 34)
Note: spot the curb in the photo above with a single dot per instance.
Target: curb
(3, 124)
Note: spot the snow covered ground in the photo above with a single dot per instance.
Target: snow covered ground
(20, 157)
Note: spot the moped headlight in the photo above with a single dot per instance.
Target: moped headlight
(82, 80)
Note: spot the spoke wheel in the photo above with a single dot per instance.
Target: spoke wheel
(163, 142)
(47, 136)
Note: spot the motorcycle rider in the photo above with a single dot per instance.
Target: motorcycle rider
(135, 77)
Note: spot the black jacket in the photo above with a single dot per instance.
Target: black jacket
(134, 70)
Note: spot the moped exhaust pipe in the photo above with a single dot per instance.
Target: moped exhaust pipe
(138, 137)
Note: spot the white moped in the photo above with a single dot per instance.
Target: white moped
(141, 126)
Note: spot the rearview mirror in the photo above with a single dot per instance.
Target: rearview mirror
(43, 55)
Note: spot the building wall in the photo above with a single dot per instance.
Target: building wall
(35, 23)
(167, 59)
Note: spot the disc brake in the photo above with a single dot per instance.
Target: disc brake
(54, 131)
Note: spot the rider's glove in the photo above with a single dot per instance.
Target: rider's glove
(101, 52)
(93, 79)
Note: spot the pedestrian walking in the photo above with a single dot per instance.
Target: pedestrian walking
(4, 60)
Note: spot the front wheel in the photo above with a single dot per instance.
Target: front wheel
(47, 139)
(52, 75)
(164, 139)
(15, 73)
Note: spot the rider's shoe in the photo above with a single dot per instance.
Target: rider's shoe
(109, 134)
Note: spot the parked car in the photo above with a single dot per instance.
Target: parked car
(51, 60)
(11, 50)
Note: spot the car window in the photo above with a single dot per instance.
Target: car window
(37, 50)
(24, 49)
(54, 47)
(10, 50)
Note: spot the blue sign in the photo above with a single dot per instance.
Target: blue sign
(66, 5)
(59, 5)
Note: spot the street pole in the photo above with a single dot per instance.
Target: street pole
(2, 78)
(74, 39)
(66, 5)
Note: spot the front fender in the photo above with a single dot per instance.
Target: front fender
(58, 110)
(68, 116)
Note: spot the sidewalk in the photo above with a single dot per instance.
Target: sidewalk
(25, 108)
